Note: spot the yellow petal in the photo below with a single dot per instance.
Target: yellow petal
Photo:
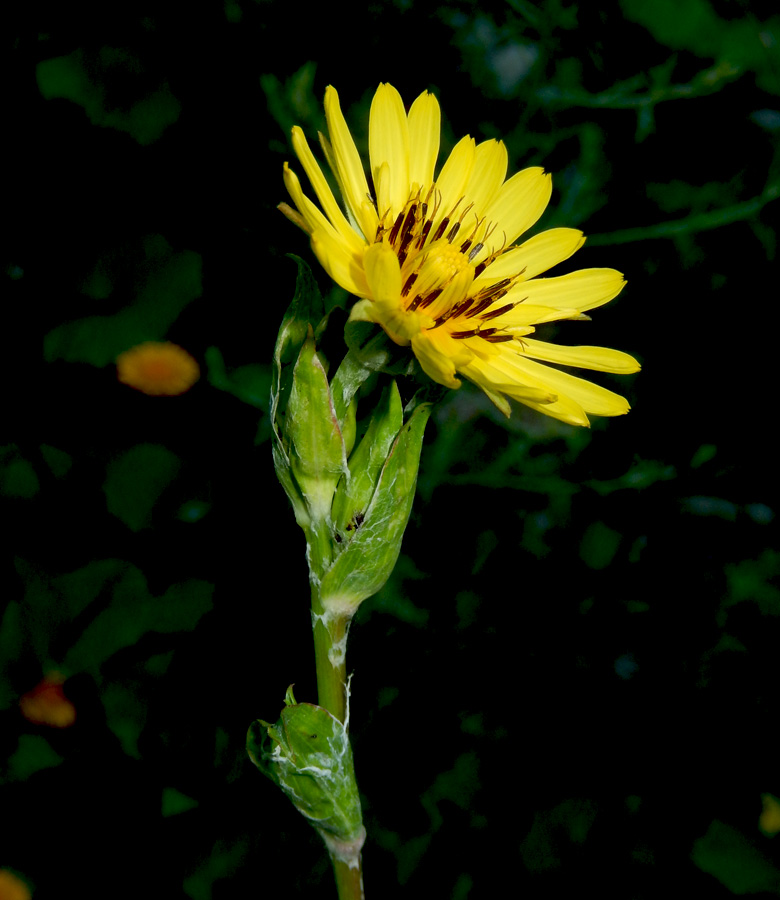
(383, 274)
(440, 356)
(388, 147)
(322, 189)
(564, 408)
(600, 359)
(487, 176)
(345, 268)
(591, 397)
(424, 136)
(312, 214)
(525, 314)
(581, 290)
(454, 177)
(347, 164)
(534, 256)
(488, 370)
(499, 375)
(498, 400)
(519, 203)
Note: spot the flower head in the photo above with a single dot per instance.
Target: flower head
(433, 257)
(159, 368)
(46, 703)
(12, 887)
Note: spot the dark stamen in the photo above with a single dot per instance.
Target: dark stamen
(440, 230)
(424, 233)
(408, 286)
(429, 298)
(396, 227)
(495, 313)
(408, 222)
(495, 338)
(459, 335)
(475, 251)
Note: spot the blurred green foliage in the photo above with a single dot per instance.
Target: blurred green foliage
(570, 678)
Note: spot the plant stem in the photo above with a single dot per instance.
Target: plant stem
(330, 639)
(349, 881)
(330, 636)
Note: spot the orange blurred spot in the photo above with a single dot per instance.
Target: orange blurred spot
(46, 704)
(769, 820)
(158, 368)
(12, 888)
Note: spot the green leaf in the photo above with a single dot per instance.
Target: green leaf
(33, 754)
(86, 80)
(58, 461)
(174, 802)
(125, 714)
(223, 862)
(737, 863)
(17, 475)
(132, 613)
(168, 283)
(250, 384)
(135, 481)
(599, 545)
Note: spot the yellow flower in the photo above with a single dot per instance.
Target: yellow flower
(769, 821)
(46, 704)
(433, 258)
(157, 368)
(12, 887)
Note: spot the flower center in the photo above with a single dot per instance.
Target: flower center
(442, 263)
(433, 249)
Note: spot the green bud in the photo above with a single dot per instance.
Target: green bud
(307, 753)
(365, 464)
(352, 503)
(367, 558)
(304, 314)
(318, 455)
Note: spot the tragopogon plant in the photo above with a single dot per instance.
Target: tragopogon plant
(433, 260)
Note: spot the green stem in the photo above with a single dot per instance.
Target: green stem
(693, 223)
(349, 881)
(330, 639)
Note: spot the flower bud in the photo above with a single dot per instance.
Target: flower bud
(353, 504)
(307, 753)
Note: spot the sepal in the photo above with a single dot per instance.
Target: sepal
(307, 753)
(365, 563)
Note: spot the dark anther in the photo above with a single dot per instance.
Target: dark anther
(408, 222)
(427, 300)
(459, 335)
(495, 313)
(475, 251)
(408, 286)
(453, 231)
(440, 230)
(396, 227)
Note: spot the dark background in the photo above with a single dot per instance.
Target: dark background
(569, 683)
